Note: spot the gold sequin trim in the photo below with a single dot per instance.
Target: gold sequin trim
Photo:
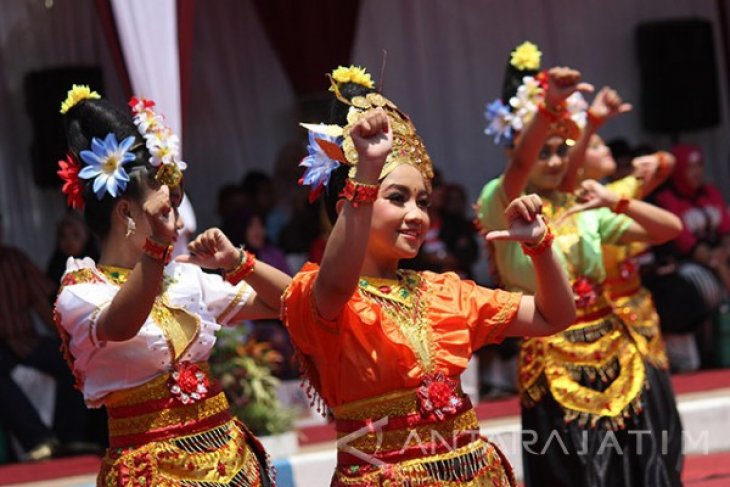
(219, 456)
(562, 365)
(396, 403)
(407, 437)
(507, 308)
(242, 288)
(196, 411)
(405, 306)
(156, 388)
(476, 464)
(640, 316)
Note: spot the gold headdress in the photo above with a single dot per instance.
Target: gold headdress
(335, 142)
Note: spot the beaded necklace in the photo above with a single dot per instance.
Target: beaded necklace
(401, 300)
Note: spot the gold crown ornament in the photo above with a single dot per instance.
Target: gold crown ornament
(336, 142)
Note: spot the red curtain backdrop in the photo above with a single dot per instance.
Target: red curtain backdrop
(310, 37)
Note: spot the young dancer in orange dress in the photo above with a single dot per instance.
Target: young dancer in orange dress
(383, 348)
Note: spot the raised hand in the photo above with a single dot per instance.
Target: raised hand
(161, 216)
(651, 166)
(524, 219)
(591, 195)
(646, 167)
(373, 141)
(563, 82)
(608, 104)
(212, 250)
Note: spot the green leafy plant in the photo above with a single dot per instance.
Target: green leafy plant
(245, 368)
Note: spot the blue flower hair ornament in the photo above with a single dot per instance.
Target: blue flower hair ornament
(499, 125)
(325, 154)
(105, 164)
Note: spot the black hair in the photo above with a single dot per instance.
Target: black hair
(643, 150)
(620, 147)
(253, 182)
(513, 80)
(338, 116)
(91, 118)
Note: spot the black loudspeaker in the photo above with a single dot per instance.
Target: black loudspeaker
(679, 82)
(44, 92)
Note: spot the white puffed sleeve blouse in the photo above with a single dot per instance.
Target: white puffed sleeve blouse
(181, 327)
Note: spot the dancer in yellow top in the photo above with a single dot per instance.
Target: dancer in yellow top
(589, 384)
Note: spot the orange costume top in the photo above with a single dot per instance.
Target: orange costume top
(396, 351)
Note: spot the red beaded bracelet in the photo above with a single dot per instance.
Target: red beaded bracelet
(357, 193)
(158, 251)
(553, 114)
(621, 205)
(244, 268)
(545, 243)
(594, 119)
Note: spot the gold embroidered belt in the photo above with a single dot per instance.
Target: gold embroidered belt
(597, 310)
(151, 412)
(407, 447)
(620, 287)
(638, 312)
(594, 369)
(402, 432)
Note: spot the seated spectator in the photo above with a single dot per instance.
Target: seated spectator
(700, 252)
(73, 239)
(248, 228)
(231, 199)
(259, 191)
(457, 231)
(24, 289)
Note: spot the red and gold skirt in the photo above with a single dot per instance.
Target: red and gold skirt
(156, 440)
(594, 369)
(634, 304)
(387, 440)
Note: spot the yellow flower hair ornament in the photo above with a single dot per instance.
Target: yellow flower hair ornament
(526, 56)
(351, 74)
(75, 95)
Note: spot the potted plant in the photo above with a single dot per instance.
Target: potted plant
(245, 369)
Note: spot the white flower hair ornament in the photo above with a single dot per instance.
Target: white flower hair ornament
(161, 142)
(505, 121)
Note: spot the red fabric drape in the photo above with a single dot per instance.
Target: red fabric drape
(311, 37)
(106, 17)
(185, 34)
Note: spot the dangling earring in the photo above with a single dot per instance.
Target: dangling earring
(131, 227)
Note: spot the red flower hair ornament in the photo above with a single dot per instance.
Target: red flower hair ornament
(72, 186)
